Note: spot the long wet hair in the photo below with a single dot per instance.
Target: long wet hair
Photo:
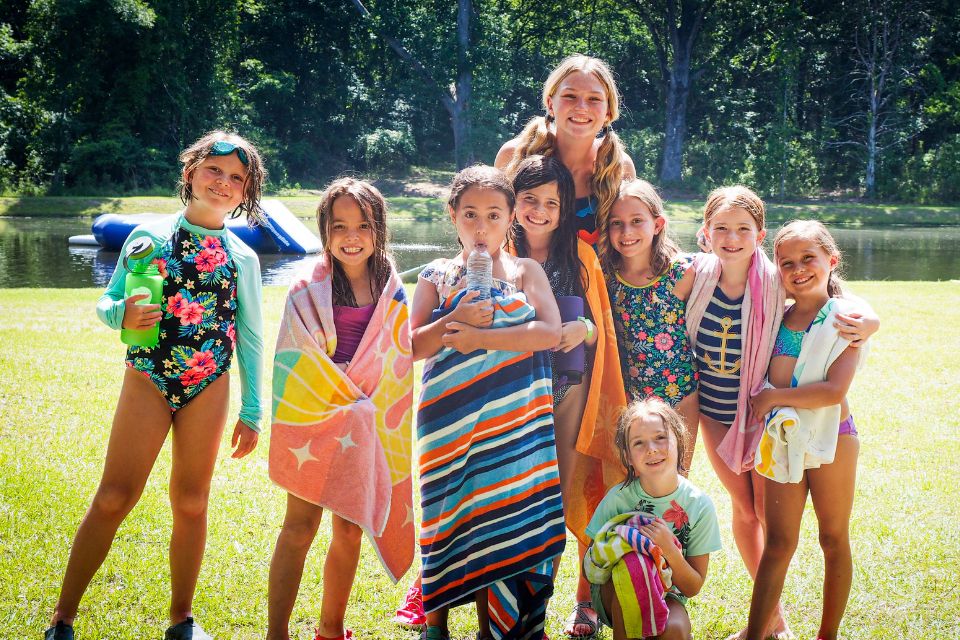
(815, 232)
(481, 176)
(533, 172)
(662, 250)
(374, 208)
(538, 138)
(192, 156)
(652, 407)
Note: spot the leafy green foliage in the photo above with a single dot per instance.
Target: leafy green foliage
(101, 97)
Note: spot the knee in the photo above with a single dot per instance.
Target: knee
(678, 624)
(345, 532)
(189, 503)
(301, 532)
(113, 502)
(747, 512)
(834, 542)
(781, 544)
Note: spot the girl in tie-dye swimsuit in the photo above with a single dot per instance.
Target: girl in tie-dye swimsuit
(210, 309)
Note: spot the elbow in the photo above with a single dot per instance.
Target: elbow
(693, 589)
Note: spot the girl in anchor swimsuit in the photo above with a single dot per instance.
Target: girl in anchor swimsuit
(210, 309)
(734, 227)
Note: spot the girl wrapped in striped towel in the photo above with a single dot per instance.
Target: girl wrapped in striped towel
(490, 486)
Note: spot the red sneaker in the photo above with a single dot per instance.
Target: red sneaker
(410, 614)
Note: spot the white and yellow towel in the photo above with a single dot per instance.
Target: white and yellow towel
(795, 439)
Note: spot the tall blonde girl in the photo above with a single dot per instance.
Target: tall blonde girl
(581, 103)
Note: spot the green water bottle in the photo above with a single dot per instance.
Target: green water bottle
(142, 279)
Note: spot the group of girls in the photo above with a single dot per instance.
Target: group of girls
(511, 454)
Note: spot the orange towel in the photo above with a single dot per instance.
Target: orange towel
(597, 465)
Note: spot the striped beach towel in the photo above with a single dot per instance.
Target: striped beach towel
(638, 569)
(490, 488)
(341, 439)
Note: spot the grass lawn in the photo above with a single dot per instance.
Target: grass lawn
(305, 205)
(60, 378)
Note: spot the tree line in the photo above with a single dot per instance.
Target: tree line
(796, 98)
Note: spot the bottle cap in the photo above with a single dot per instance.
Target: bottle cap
(137, 250)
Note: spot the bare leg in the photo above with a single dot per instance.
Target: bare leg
(678, 623)
(784, 503)
(832, 488)
(568, 417)
(483, 613)
(747, 504)
(339, 570)
(197, 431)
(689, 410)
(608, 595)
(140, 425)
(300, 526)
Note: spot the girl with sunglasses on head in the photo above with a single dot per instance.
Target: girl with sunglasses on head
(210, 308)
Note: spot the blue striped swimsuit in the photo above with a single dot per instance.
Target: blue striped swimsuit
(718, 350)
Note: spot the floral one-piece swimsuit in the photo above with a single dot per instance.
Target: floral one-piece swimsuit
(197, 332)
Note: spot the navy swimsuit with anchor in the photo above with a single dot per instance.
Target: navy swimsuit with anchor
(718, 352)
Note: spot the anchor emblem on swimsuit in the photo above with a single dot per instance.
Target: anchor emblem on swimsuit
(725, 324)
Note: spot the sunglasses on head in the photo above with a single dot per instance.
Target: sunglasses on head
(224, 148)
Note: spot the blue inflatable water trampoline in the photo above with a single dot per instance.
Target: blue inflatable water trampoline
(281, 231)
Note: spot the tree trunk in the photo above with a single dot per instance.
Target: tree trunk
(678, 94)
(455, 98)
(460, 113)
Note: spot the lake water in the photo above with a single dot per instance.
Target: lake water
(34, 252)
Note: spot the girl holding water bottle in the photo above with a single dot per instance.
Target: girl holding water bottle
(209, 309)
(488, 463)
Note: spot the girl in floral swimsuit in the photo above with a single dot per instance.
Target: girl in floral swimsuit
(648, 282)
(210, 309)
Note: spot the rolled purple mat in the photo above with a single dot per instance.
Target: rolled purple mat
(570, 365)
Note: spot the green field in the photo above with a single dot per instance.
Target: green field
(304, 205)
(60, 378)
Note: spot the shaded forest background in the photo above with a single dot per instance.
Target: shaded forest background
(812, 98)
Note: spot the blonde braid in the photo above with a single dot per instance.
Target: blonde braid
(607, 176)
(536, 139)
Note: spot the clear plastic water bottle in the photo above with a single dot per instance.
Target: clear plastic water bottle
(480, 272)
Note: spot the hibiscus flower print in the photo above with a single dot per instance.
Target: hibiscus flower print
(676, 516)
(203, 362)
(232, 334)
(192, 313)
(176, 304)
(191, 377)
(211, 242)
(207, 261)
(161, 265)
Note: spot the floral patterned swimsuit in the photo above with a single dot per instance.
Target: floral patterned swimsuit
(197, 332)
(651, 327)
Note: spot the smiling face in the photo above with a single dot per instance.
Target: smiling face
(652, 450)
(733, 235)
(482, 216)
(632, 227)
(805, 267)
(538, 210)
(351, 238)
(580, 105)
(217, 183)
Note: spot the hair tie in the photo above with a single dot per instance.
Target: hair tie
(607, 129)
(549, 118)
